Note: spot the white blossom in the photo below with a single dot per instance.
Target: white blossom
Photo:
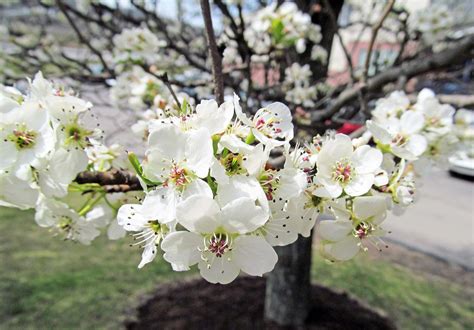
(402, 136)
(352, 232)
(340, 168)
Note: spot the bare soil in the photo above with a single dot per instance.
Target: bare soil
(196, 304)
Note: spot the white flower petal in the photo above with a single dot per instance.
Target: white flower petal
(17, 193)
(198, 214)
(381, 178)
(242, 186)
(199, 154)
(292, 183)
(239, 113)
(366, 207)
(130, 217)
(411, 122)
(115, 231)
(254, 255)
(360, 184)
(366, 159)
(160, 204)
(168, 141)
(8, 152)
(235, 144)
(181, 249)
(333, 151)
(282, 228)
(214, 119)
(242, 216)
(380, 133)
(328, 188)
(221, 270)
(416, 145)
(339, 209)
(256, 159)
(334, 230)
(197, 187)
(343, 250)
(149, 253)
(63, 168)
(218, 172)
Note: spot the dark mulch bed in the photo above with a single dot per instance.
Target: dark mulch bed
(196, 304)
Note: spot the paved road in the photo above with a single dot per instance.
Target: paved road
(441, 222)
(116, 123)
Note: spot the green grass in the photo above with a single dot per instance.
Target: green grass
(411, 300)
(48, 283)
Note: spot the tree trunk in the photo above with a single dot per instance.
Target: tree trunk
(287, 296)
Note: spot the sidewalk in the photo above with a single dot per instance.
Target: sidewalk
(441, 222)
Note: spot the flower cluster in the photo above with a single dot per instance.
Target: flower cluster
(136, 45)
(44, 145)
(212, 195)
(277, 27)
(135, 89)
(299, 89)
(411, 131)
(433, 23)
(214, 200)
(146, 96)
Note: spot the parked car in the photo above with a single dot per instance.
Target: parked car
(462, 162)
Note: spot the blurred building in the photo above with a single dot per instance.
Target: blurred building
(356, 36)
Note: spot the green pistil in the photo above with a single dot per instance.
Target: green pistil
(65, 223)
(154, 225)
(23, 138)
(315, 200)
(385, 148)
(157, 227)
(233, 164)
(250, 138)
(77, 135)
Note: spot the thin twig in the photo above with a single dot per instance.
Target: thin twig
(341, 41)
(375, 29)
(82, 38)
(214, 52)
(164, 78)
(406, 38)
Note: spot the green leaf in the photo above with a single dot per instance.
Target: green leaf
(133, 159)
(276, 30)
(212, 184)
(184, 107)
(215, 143)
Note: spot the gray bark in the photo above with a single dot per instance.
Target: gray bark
(287, 296)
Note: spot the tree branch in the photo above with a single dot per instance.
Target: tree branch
(457, 53)
(82, 38)
(214, 52)
(165, 79)
(112, 181)
(375, 29)
(330, 12)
